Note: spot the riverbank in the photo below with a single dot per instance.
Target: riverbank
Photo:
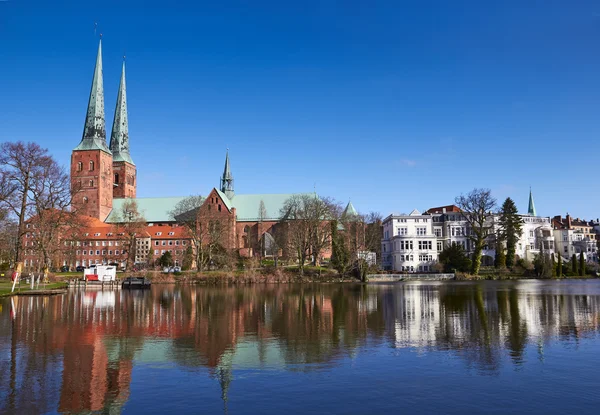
(25, 289)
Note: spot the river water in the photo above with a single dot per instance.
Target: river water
(486, 347)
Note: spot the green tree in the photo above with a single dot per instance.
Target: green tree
(188, 259)
(581, 265)
(542, 265)
(500, 260)
(559, 267)
(476, 208)
(574, 264)
(510, 229)
(339, 250)
(454, 258)
(166, 259)
(554, 273)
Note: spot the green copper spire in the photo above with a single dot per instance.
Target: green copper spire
(94, 131)
(119, 138)
(349, 211)
(531, 209)
(227, 179)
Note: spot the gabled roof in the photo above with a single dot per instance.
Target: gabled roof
(158, 209)
(415, 212)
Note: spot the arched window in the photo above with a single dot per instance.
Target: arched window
(116, 178)
(85, 199)
(91, 165)
(246, 228)
(79, 166)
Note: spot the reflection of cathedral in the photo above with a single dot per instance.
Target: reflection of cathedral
(97, 337)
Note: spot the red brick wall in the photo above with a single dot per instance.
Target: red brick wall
(94, 187)
(127, 180)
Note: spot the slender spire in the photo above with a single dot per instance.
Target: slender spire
(227, 179)
(119, 138)
(350, 211)
(94, 131)
(531, 209)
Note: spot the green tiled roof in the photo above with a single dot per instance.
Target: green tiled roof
(157, 209)
(247, 206)
(154, 209)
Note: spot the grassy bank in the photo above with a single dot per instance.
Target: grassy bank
(6, 286)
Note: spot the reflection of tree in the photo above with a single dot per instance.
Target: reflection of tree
(94, 336)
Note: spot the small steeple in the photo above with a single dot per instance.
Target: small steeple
(531, 209)
(349, 211)
(227, 179)
(119, 138)
(94, 131)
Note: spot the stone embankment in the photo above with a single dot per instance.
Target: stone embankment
(409, 277)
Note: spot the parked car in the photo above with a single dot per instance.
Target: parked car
(79, 268)
(64, 268)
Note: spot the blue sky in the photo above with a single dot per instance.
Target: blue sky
(393, 104)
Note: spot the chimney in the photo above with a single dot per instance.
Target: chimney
(568, 221)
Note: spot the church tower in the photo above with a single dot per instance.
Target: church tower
(124, 170)
(227, 179)
(531, 209)
(91, 160)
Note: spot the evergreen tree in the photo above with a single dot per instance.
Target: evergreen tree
(559, 268)
(510, 229)
(339, 252)
(455, 259)
(166, 259)
(581, 265)
(500, 261)
(574, 264)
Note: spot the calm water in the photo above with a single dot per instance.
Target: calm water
(493, 347)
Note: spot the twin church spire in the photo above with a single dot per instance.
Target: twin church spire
(94, 131)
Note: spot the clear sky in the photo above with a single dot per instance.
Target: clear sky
(393, 104)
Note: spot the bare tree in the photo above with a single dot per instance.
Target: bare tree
(306, 219)
(130, 225)
(187, 212)
(34, 189)
(477, 209)
(50, 196)
(8, 239)
(20, 164)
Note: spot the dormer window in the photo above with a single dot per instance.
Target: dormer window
(171, 233)
(97, 234)
(86, 234)
(158, 233)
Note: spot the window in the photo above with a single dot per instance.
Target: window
(183, 242)
(110, 243)
(440, 246)
(104, 252)
(78, 252)
(109, 252)
(163, 243)
(91, 165)
(421, 231)
(96, 234)
(566, 249)
(402, 231)
(79, 166)
(97, 252)
(117, 252)
(531, 234)
(176, 242)
(158, 233)
(97, 243)
(91, 183)
(85, 199)
(156, 243)
(171, 233)
(84, 252)
(103, 243)
(437, 232)
(219, 208)
(170, 243)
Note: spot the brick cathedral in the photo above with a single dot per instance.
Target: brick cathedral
(104, 178)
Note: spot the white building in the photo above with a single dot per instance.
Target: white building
(409, 243)
(574, 236)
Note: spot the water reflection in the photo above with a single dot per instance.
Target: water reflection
(76, 353)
